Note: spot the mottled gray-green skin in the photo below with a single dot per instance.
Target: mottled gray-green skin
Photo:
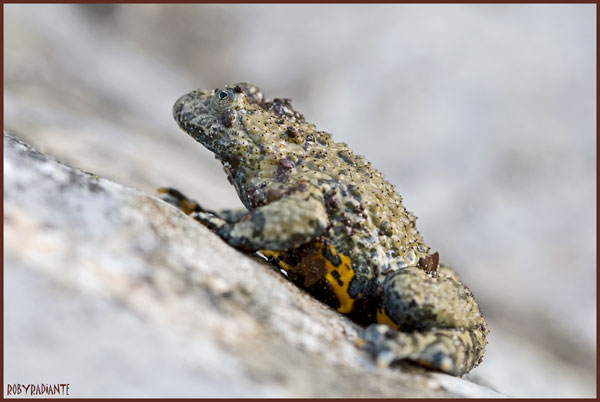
(300, 187)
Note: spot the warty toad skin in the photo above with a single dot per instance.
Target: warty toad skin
(334, 224)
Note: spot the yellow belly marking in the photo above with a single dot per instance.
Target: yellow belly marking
(383, 318)
(339, 277)
(340, 281)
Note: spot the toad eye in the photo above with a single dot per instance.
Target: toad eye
(223, 99)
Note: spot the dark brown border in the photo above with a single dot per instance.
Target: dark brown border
(300, 2)
(286, 2)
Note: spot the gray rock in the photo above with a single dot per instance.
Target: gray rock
(118, 294)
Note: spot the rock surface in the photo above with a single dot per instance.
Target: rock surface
(120, 295)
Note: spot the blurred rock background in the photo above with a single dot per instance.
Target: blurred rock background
(483, 116)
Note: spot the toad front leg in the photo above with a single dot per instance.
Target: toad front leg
(438, 322)
(189, 206)
(280, 225)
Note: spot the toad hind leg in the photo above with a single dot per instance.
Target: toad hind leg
(436, 324)
(454, 351)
